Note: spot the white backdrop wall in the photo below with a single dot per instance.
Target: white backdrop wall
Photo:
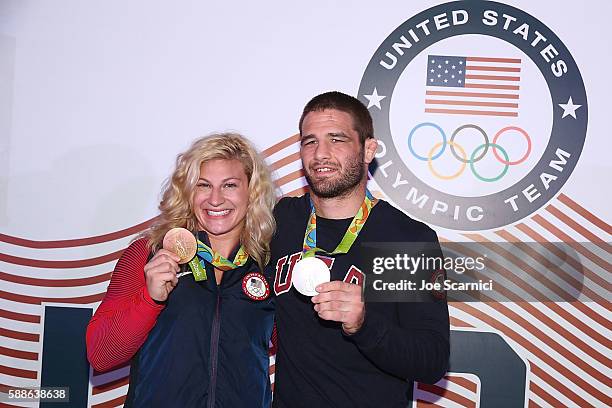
(97, 98)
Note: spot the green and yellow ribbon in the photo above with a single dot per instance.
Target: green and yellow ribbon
(350, 236)
(207, 254)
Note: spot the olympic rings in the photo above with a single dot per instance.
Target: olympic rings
(504, 171)
(518, 129)
(452, 176)
(476, 155)
(482, 132)
(420, 126)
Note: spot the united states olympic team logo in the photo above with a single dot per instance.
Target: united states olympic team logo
(480, 111)
(255, 286)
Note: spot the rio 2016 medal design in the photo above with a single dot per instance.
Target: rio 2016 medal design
(181, 242)
(311, 271)
(255, 286)
(308, 274)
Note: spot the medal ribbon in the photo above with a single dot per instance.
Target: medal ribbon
(310, 237)
(207, 254)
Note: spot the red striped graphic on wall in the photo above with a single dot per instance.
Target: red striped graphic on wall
(566, 344)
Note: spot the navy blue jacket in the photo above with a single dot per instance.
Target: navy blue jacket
(209, 347)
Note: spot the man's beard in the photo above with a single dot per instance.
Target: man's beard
(343, 183)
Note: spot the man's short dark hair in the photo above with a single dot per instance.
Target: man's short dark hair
(362, 121)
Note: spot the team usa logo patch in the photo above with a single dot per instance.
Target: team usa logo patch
(480, 111)
(255, 286)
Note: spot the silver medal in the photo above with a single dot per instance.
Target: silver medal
(308, 273)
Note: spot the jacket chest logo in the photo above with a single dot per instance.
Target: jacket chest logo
(255, 286)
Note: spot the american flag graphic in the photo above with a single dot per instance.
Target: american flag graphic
(566, 344)
(472, 85)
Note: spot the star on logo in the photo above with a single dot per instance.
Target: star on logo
(569, 108)
(374, 99)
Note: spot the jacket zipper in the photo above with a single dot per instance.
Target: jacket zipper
(214, 352)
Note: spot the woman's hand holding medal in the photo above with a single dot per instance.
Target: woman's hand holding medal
(160, 272)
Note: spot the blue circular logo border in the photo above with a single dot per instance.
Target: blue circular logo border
(567, 133)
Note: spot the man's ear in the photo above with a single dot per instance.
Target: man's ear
(371, 145)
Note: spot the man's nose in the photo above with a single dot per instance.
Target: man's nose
(323, 150)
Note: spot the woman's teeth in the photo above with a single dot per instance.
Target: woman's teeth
(217, 213)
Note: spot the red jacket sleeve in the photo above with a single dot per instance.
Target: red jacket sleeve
(126, 315)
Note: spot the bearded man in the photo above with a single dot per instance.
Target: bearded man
(334, 349)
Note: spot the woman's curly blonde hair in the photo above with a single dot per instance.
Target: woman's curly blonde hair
(177, 193)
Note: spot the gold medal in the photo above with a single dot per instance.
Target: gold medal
(181, 242)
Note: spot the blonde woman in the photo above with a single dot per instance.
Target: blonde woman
(193, 342)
